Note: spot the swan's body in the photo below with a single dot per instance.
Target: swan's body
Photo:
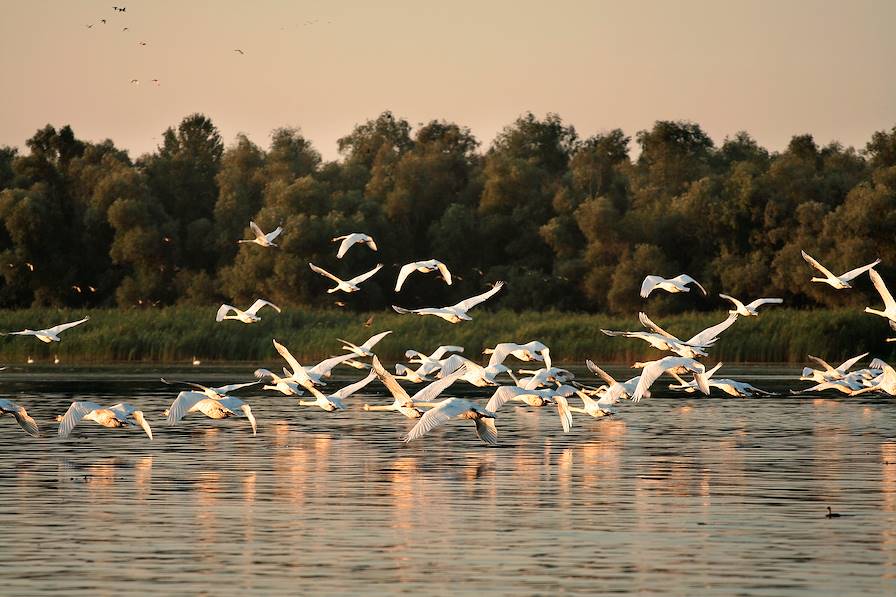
(889, 304)
(424, 267)
(677, 284)
(221, 408)
(262, 239)
(335, 400)
(750, 309)
(404, 403)
(345, 285)
(50, 334)
(247, 316)
(456, 408)
(653, 369)
(117, 415)
(350, 239)
(364, 349)
(18, 412)
(455, 313)
(839, 282)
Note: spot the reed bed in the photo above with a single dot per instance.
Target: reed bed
(177, 334)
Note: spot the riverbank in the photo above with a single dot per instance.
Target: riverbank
(177, 334)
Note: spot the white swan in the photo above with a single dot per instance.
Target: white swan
(829, 373)
(749, 310)
(455, 313)
(50, 334)
(653, 369)
(677, 284)
(414, 376)
(456, 408)
(885, 382)
(364, 349)
(220, 408)
(285, 385)
(616, 390)
(404, 403)
(530, 351)
(425, 267)
(350, 239)
(345, 285)
(475, 374)
(117, 415)
(838, 282)
(334, 401)
(537, 398)
(8, 407)
(691, 348)
(215, 393)
(313, 375)
(738, 389)
(247, 316)
(889, 304)
(262, 239)
(433, 362)
(593, 408)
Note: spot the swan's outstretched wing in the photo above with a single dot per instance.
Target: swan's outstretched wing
(654, 369)
(855, 273)
(764, 301)
(564, 412)
(504, 394)
(172, 382)
(685, 279)
(351, 389)
(258, 304)
(811, 261)
(453, 363)
(600, 372)
(823, 363)
(711, 334)
(737, 304)
(889, 303)
(347, 242)
(486, 430)
(847, 364)
(270, 236)
(402, 310)
(256, 230)
(648, 323)
(324, 367)
(324, 272)
(442, 350)
(184, 403)
(405, 271)
(224, 310)
(141, 420)
(371, 243)
(64, 326)
(471, 302)
(649, 283)
(290, 360)
(75, 412)
(500, 352)
(877, 364)
(432, 391)
(358, 279)
(390, 382)
(438, 415)
(235, 386)
(21, 415)
(371, 342)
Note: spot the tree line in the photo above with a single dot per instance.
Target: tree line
(570, 223)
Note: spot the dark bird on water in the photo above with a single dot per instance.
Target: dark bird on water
(240, 51)
(831, 514)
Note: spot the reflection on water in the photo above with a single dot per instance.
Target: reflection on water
(676, 496)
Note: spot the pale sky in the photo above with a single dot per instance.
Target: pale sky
(772, 68)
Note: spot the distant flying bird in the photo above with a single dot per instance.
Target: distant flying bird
(30, 266)
(155, 82)
(117, 415)
(124, 29)
(103, 21)
(364, 349)
(350, 239)
(369, 322)
(839, 282)
(673, 285)
(50, 334)
(141, 43)
(749, 310)
(240, 51)
(345, 285)
(456, 408)
(455, 313)
(89, 26)
(135, 81)
(422, 266)
(188, 402)
(8, 407)
(247, 316)
(889, 304)
(262, 239)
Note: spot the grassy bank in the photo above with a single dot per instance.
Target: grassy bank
(177, 334)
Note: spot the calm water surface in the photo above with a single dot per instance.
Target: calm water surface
(676, 496)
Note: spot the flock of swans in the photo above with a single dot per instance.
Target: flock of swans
(539, 387)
